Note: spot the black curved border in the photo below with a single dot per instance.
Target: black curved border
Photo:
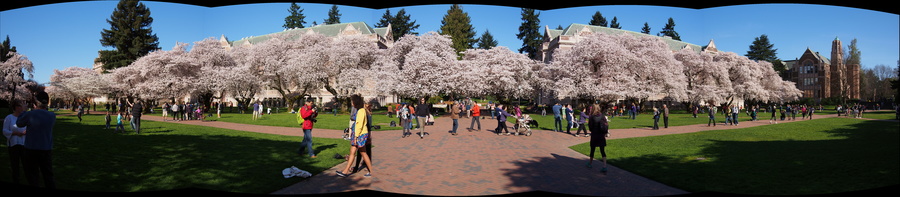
(538, 5)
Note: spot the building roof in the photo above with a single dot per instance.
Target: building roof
(574, 28)
(327, 30)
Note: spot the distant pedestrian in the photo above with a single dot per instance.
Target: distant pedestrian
(655, 118)
(712, 115)
(405, 119)
(773, 118)
(454, 115)
(665, 113)
(502, 129)
(423, 110)
(582, 121)
(557, 117)
(569, 118)
(734, 114)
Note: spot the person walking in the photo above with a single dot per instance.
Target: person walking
(476, 114)
(80, 111)
(422, 112)
(368, 146)
(712, 115)
(308, 113)
(15, 140)
(582, 121)
(735, 110)
(557, 117)
(773, 119)
(655, 118)
(665, 116)
(599, 126)
(120, 126)
(359, 137)
(493, 109)
(501, 121)
(405, 119)
(39, 141)
(107, 118)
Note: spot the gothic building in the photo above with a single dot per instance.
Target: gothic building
(819, 77)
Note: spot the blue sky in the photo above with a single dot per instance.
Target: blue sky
(60, 35)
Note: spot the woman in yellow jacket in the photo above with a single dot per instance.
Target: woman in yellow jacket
(359, 136)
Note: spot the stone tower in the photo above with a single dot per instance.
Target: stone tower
(838, 70)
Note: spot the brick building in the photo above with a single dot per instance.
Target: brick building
(819, 77)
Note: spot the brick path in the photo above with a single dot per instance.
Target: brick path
(481, 162)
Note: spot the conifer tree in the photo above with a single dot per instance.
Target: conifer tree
(530, 33)
(458, 26)
(486, 41)
(614, 23)
(129, 33)
(5, 48)
(762, 50)
(645, 29)
(295, 19)
(598, 20)
(334, 16)
(669, 30)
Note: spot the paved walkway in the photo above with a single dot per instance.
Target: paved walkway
(481, 162)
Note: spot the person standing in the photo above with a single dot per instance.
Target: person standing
(359, 138)
(476, 114)
(712, 115)
(175, 110)
(107, 118)
(136, 109)
(219, 106)
(773, 119)
(255, 110)
(422, 111)
(308, 113)
(655, 118)
(39, 141)
(557, 118)
(80, 111)
(405, 119)
(811, 111)
(493, 109)
(569, 118)
(734, 114)
(454, 115)
(15, 140)
(599, 126)
(665, 116)
(694, 110)
(119, 125)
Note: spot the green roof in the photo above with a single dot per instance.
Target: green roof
(327, 30)
(674, 45)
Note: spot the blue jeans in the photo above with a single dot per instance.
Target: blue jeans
(136, 124)
(557, 123)
(734, 117)
(307, 142)
(455, 125)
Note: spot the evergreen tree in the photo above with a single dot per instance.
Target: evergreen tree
(5, 48)
(530, 33)
(295, 19)
(645, 29)
(129, 33)
(559, 27)
(614, 23)
(486, 41)
(334, 16)
(457, 25)
(853, 54)
(598, 20)
(402, 25)
(762, 50)
(669, 30)
(386, 19)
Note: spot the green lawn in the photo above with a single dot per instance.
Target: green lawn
(287, 119)
(167, 156)
(820, 156)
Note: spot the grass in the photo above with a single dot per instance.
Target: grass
(287, 119)
(168, 156)
(645, 120)
(820, 156)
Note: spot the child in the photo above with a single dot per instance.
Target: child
(107, 118)
(119, 123)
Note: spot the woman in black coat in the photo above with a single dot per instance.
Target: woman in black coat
(599, 126)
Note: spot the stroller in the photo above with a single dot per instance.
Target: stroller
(523, 125)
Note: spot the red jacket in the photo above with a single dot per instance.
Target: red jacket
(476, 111)
(307, 114)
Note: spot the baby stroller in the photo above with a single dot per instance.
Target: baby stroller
(523, 125)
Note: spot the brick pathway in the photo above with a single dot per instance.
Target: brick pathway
(481, 162)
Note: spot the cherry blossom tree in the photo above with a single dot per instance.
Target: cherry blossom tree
(288, 63)
(158, 75)
(14, 73)
(215, 63)
(77, 84)
(498, 72)
(744, 77)
(348, 60)
(415, 66)
(611, 66)
(707, 80)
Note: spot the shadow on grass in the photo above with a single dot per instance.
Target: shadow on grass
(167, 157)
(856, 157)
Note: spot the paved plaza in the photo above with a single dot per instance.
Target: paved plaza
(481, 162)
